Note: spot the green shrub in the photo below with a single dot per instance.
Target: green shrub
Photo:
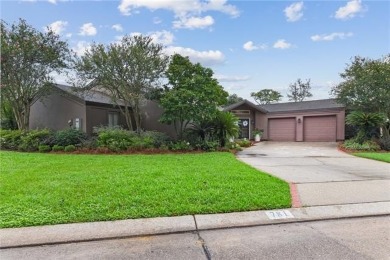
(69, 137)
(243, 143)
(90, 143)
(44, 148)
(32, 139)
(57, 148)
(384, 143)
(234, 146)
(154, 138)
(180, 146)
(70, 148)
(208, 146)
(115, 139)
(353, 144)
(10, 139)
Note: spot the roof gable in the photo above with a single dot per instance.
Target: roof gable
(245, 102)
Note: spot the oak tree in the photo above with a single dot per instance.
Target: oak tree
(194, 95)
(128, 70)
(28, 60)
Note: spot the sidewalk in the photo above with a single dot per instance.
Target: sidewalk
(79, 232)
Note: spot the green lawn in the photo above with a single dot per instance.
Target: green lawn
(38, 189)
(384, 157)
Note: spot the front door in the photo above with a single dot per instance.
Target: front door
(244, 128)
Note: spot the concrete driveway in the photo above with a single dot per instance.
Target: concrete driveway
(322, 174)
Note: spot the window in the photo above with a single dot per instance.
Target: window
(113, 119)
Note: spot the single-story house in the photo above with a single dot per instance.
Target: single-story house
(317, 120)
(313, 121)
(64, 108)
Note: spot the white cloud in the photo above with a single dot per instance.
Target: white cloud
(180, 8)
(88, 29)
(68, 35)
(117, 27)
(250, 46)
(204, 57)
(188, 14)
(330, 37)
(349, 10)
(162, 37)
(58, 26)
(221, 6)
(294, 12)
(194, 22)
(225, 78)
(81, 47)
(282, 44)
(135, 34)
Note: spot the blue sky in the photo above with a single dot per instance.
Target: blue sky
(250, 45)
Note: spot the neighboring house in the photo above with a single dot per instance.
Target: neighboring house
(64, 108)
(315, 121)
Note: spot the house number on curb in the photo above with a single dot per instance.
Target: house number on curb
(279, 214)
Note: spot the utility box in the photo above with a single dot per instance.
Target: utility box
(77, 123)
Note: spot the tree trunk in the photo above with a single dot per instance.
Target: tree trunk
(21, 116)
(137, 116)
(128, 118)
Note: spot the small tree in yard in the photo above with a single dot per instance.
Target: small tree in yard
(28, 57)
(194, 95)
(127, 70)
(366, 87)
(299, 90)
(266, 96)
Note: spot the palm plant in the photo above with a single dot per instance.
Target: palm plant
(225, 127)
(365, 122)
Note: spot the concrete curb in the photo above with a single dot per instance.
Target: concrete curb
(93, 231)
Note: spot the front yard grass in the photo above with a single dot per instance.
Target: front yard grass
(39, 189)
(384, 157)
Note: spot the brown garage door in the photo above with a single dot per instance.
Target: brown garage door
(319, 129)
(281, 129)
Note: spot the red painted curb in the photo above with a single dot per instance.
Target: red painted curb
(296, 201)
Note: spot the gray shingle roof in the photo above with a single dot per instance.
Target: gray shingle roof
(91, 96)
(304, 105)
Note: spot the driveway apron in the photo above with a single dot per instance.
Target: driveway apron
(322, 174)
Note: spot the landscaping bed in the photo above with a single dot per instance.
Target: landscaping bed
(40, 189)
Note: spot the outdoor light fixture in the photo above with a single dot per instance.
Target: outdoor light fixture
(299, 120)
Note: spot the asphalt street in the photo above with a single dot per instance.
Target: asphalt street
(354, 238)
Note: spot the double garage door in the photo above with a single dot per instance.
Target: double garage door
(315, 129)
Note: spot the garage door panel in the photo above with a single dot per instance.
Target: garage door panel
(281, 129)
(319, 129)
